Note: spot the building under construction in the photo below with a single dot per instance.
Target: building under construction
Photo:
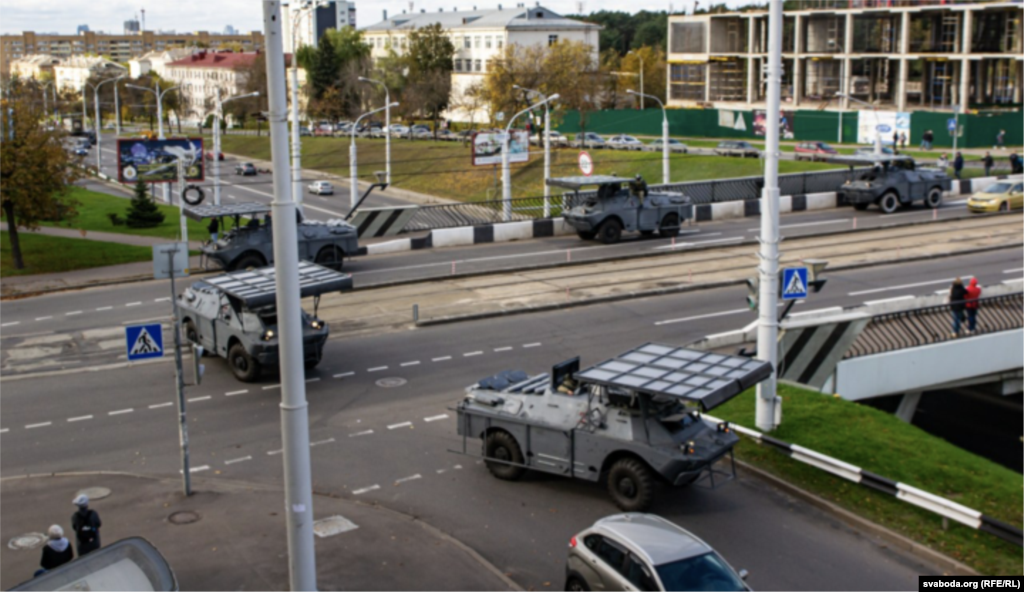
(901, 55)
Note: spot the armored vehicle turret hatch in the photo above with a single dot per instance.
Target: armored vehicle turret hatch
(247, 246)
(632, 420)
(615, 208)
(234, 316)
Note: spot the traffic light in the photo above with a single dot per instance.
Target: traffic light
(753, 291)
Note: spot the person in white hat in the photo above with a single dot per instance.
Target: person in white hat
(57, 550)
(86, 524)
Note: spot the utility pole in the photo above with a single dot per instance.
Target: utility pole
(506, 171)
(665, 176)
(547, 147)
(387, 125)
(769, 405)
(294, 408)
(179, 380)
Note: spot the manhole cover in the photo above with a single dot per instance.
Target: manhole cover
(391, 382)
(185, 517)
(95, 493)
(27, 541)
(326, 527)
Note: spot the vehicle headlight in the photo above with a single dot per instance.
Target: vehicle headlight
(316, 323)
(688, 448)
(724, 427)
(268, 335)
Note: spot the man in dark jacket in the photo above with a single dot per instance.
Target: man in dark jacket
(957, 295)
(958, 164)
(57, 550)
(1016, 165)
(973, 294)
(86, 524)
(988, 162)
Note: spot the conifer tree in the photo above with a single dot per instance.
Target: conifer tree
(142, 212)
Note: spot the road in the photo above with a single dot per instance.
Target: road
(388, 441)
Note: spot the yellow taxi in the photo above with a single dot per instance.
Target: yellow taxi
(1001, 196)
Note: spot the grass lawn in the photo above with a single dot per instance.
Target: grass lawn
(51, 254)
(444, 168)
(882, 444)
(94, 207)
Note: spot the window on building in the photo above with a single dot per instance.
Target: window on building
(687, 81)
(476, 42)
(458, 65)
(467, 42)
(476, 65)
(552, 39)
(687, 38)
(501, 42)
(488, 41)
(489, 65)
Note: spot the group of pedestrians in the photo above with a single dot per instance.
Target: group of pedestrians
(987, 161)
(85, 523)
(964, 300)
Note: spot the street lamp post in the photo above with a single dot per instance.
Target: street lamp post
(296, 135)
(96, 105)
(506, 173)
(547, 147)
(46, 108)
(641, 60)
(874, 111)
(664, 134)
(387, 125)
(85, 112)
(117, 109)
(218, 117)
(352, 167)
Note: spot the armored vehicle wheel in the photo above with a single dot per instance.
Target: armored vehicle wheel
(934, 198)
(502, 446)
(250, 261)
(610, 231)
(243, 366)
(586, 234)
(860, 206)
(889, 203)
(669, 226)
(331, 257)
(631, 485)
(575, 584)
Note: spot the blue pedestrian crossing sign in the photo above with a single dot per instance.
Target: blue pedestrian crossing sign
(951, 125)
(144, 341)
(794, 283)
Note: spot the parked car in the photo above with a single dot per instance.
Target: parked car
(870, 151)
(646, 552)
(813, 151)
(321, 188)
(398, 130)
(246, 169)
(893, 182)
(589, 140)
(557, 138)
(304, 131)
(209, 155)
(673, 146)
(421, 131)
(625, 142)
(80, 150)
(998, 197)
(737, 148)
(446, 135)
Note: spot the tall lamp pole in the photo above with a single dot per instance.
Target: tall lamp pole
(547, 146)
(506, 172)
(769, 406)
(387, 125)
(96, 105)
(294, 407)
(641, 60)
(218, 117)
(304, 5)
(352, 167)
(664, 134)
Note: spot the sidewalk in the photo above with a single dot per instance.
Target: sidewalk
(237, 539)
(106, 237)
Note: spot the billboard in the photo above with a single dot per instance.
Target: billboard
(785, 123)
(487, 147)
(887, 123)
(156, 161)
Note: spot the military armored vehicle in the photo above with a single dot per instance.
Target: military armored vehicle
(616, 208)
(893, 182)
(250, 245)
(234, 316)
(633, 421)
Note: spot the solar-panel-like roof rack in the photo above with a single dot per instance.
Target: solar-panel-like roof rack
(257, 288)
(225, 210)
(707, 378)
(582, 181)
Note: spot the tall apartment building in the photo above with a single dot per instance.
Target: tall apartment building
(118, 48)
(897, 54)
(309, 24)
(480, 37)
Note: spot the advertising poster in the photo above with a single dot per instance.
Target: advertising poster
(156, 161)
(785, 124)
(487, 147)
(886, 122)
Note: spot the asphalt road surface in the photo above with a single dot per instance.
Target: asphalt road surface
(388, 441)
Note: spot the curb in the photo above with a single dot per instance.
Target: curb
(860, 523)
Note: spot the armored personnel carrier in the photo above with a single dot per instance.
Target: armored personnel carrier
(234, 316)
(250, 245)
(893, 182)
(633, 421)
(622, 204)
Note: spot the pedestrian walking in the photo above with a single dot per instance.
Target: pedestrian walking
(86, 524)
(971, 304)
(958, 164)
(988, 162)
(903, 140)
(895, 140)
(214, 228)
(1001, 140)
(1016, 165)
(926, 140)
(957, 297)
(942, 162)
(57, 550)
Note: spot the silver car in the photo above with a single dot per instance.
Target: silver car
(645, 552)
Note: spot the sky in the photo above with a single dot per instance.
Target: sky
(64, 16)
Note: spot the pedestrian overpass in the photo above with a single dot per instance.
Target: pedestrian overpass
(899, 347)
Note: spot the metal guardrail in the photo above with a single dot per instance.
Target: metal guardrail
(913, 328)
(487, 212)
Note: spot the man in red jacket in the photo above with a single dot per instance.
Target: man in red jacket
(973, 294)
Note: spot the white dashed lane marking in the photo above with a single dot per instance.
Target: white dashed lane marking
(435, 417)
(159, 405)
(441, 359)
(537, 344)
(365, 490)
(413, 363)
(102, 308)
(72, 313)
(237, 460)
(409, 478)
(5, 430)
(134, 304)
(233, 393)
(43, 318)
(377, 369)
(11, 324)
(344, 374)
(404, 424)
(164, 299)
(80, 418)
(271, 386)
(471, 354)
(362, 433)
(198, 469)
(502, 349)
(194, 399)
(321, 442)
(38, 425)
(121, 411)
(273, 452)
